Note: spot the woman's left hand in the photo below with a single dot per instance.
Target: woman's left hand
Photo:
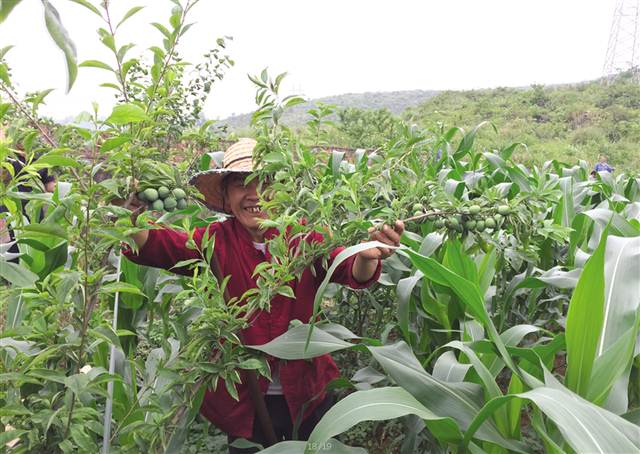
(386, 235)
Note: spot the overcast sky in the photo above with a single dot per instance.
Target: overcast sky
(329, 47)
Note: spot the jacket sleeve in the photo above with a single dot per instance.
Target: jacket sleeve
(343, 274)
(166, 247)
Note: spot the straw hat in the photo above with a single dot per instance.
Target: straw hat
(238, 158)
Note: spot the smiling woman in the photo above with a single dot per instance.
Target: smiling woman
(298, 387)
(243, 202)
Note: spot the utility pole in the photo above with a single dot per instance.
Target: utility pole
(623, 53)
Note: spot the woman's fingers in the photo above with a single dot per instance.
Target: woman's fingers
(387, 235)
(390, 236)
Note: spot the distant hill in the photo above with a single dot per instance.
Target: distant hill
(566, 122)
(395, 101)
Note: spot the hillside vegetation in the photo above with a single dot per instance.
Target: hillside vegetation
(564, 122)
(395, 102)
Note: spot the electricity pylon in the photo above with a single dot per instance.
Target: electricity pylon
(623, 53)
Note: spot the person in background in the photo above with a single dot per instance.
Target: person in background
(48, 181)
(602, 165)
(298, 387)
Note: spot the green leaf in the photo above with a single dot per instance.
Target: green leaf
(611, 365)
(10, 435)
(341, 257)
(448, 368)
(46, 229)
(286, 291)
(5, 9)
(162, 29)
(622, 287)
(459, 401)
(54, 158)
(128, 14)
(114, 142)
(467, 141)
(127, 113)
(621, 306)
(48, 375)
(107, 334)
(565, 210)
(468, 292)
(4, 74)
(60, 36)
(5, 49)
(95, 64)
(82, 439)
(584, 426)
(123, 287)
(459, 262)
(373, 405)
(291, 345)
(88, 5)
(17, 275)
(491, 388)
(585, 319)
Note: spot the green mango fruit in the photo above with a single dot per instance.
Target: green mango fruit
(170, 204)
(158, 205)
(179, 193)
(163, 192)
(470, 224)
(480, 225)
(151, 195)
(474, 209)
(182, 204)
(504, 209)
(490, 223)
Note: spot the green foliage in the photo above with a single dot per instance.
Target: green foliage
(458, 285)
(504, 271)
(565, 122)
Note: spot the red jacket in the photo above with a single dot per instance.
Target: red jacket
(301, 379)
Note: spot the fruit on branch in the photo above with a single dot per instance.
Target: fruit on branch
(474, 209)
(163, 192)
(150, 195)
(452, 222)
(503, 210)
(170, 203)
(158, 205)
(179, 193)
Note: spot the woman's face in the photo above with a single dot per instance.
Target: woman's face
(244, 203)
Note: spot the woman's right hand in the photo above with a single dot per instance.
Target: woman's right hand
(136, 206)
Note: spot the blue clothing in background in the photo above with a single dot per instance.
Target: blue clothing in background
(603, 167)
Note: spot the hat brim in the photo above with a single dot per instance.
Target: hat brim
(209, 183)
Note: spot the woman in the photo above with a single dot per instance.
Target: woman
(297, 386)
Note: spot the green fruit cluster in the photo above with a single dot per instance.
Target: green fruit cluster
(164, 199)
(474, 218)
